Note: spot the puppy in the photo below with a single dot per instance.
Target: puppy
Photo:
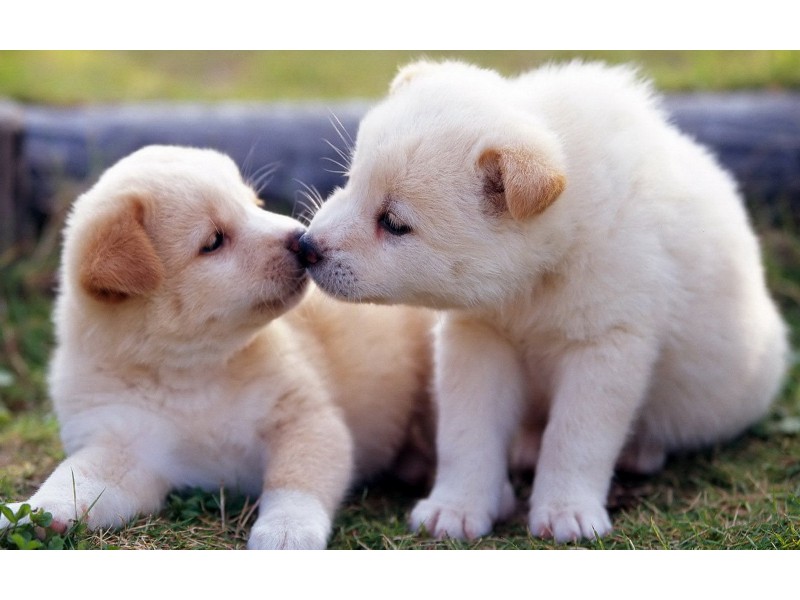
(603, 289)
(179, 362)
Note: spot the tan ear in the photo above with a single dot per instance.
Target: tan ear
(520, 180)
(119, 261)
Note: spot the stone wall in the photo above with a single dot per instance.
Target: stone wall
(49, 154)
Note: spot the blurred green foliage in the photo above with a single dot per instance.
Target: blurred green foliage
(104, 76)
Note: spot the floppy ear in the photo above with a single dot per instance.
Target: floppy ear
(520, 180)
(119, 261)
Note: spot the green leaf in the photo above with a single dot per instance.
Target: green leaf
(6, 378)
(23, 511)
(42, 518)
(56, 543)
(8, 513)
(24, 541)
(788, 426)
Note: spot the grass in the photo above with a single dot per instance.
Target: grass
(67, 77)
(743, 495)
(740, 497)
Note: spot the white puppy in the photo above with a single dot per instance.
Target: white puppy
(177, 363)
(603, 286)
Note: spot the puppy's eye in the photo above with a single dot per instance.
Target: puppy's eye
(389, 222)
(213, 243)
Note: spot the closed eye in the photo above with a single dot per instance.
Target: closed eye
(213, 243)
(390, 223)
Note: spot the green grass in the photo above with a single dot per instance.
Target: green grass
(79, 76)
(743, 495)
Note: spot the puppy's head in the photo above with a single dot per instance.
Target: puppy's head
(448, 179)
(173, 240)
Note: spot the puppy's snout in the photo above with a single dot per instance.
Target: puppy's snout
(308, 252)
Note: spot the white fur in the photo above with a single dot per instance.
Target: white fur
(290, 520)
(223, 371)
(619, 318)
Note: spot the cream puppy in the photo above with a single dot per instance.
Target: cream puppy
(602, 285)
(177, 363)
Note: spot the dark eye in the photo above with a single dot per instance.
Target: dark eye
(213, 243)
(392, 224)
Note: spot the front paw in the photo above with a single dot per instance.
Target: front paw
(461, 520)
(569, 521)
(456, 522)
(63, 514)
(290, 520)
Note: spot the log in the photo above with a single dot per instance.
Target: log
(77, 144)
(10, 135)
(756, 135)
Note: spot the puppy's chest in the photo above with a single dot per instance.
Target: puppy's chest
(540, 354)
(561, 309)
(226, 455)
(212, 434)
(541, 333)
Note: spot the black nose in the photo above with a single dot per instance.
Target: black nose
(307, 251)
(293, 241)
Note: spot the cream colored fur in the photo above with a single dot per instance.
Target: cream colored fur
(176, 367)
(602, 284)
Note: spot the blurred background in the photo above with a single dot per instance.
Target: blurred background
(65, 114)
(69, 77)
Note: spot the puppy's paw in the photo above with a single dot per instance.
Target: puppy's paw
(461, 520)
(290, 520)
(63, 514)
(569, 522)
(456, 522)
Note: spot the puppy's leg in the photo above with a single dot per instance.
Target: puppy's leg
(479, 393)
(104, 486)
(598, 391)
(308, 471)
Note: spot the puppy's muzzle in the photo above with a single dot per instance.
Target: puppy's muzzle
(307, 251)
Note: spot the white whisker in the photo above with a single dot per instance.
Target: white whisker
(343, 168)
(262, 177)
(311, 201)
(342, 131)
(247, 164)
(345, 155)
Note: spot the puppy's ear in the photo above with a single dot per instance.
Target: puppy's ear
(119, 261)
(520, 180)
(409, 72)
